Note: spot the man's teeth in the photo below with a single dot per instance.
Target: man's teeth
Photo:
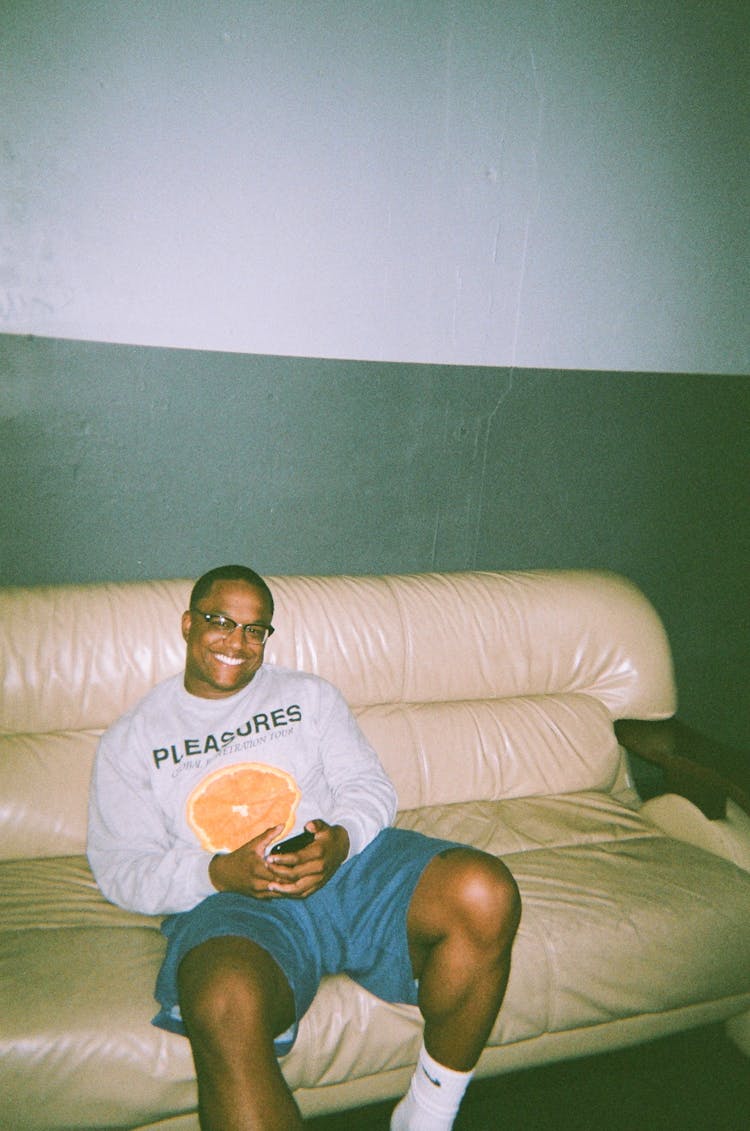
(233, 660)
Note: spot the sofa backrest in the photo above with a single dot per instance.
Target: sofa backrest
(471, 686)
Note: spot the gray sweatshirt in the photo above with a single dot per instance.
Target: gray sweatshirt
(144, 853)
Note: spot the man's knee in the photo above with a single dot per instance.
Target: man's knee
(486, 895)
(475, 894)
(228, 985)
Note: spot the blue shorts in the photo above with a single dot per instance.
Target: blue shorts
(355, 925)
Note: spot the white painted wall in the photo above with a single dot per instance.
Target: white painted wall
(544, 184)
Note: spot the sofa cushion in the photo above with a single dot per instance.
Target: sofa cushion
(44, 783)
(596, 880)
(504, 747)
(442, 637)
(438, 753)
(409, 639)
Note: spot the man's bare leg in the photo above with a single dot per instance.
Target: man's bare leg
(461, 923)
(234, 1000)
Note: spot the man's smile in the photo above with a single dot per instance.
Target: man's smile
(235, 661)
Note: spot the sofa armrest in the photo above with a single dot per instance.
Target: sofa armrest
(694, 766)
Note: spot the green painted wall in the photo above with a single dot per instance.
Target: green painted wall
(122, 462)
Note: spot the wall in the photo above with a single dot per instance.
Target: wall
(547, 185)
(123, 462)
(526, 223)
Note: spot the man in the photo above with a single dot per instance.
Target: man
(250, 933)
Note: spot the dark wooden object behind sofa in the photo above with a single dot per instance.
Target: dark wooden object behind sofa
(696, 767)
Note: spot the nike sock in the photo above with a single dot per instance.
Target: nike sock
(433, 1099)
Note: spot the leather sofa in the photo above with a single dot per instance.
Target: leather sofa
(491, 698)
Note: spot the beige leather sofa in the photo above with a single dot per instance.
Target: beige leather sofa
(491, 699)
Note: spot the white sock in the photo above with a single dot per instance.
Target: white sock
(433, 1099)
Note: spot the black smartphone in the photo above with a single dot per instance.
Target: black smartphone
(293, 844)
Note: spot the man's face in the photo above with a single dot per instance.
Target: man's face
(218, 665)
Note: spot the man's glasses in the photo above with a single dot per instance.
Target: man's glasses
(225, 626)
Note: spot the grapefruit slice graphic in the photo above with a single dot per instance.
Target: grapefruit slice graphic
(236, 803)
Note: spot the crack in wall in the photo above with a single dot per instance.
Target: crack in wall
(483, 472)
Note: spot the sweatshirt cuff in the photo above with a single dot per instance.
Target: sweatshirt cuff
(201, 880)
(359, 835)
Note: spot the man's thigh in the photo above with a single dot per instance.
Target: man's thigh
(356, 924)
(282, 929)
(374, 899)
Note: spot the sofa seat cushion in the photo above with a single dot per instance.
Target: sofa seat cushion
(78, 974)
(618, 920)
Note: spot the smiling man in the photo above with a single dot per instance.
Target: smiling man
(221, 661)
(192, 790)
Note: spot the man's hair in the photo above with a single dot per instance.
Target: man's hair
(230, 573)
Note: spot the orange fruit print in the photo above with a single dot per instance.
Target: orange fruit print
(236, 803)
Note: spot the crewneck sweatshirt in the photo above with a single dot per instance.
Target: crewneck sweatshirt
(143, 852)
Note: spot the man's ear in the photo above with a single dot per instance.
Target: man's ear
(187, 622)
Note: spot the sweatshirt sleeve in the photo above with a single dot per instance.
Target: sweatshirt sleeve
(364, 796)
(135, 861)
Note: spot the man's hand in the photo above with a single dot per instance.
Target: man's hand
(245, 871)
(299, 874)
(248, 871)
